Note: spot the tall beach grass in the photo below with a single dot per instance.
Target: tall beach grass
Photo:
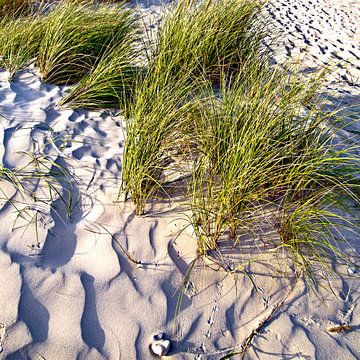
(111, 79)
(19, 42)
(266, 146)
(195, 41)
(209, 37)
(75, 38)
(261, 144)
(11, 8)
(154, 130)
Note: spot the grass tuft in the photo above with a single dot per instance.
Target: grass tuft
(76, 36)
(211, 37)
(194, 41)
(264, 152)
(154, 130)
(11, 8)
(112, 77)
(268, 156)
(19, 42)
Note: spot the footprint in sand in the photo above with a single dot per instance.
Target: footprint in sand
(2, 335)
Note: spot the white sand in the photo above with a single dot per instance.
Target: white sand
(72, 293)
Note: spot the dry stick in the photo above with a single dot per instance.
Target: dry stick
(247, 342)
(249, 339)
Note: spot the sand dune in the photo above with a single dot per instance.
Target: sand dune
(68, 289)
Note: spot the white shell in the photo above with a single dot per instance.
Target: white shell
(2, 335)
(160, 347)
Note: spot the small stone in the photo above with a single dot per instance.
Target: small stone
(226, 333)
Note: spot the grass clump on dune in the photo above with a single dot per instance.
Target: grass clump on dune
(195, 41)
(154, 129)
(112, 78)
(14, 7)
(262, 145)
(264, 152)
(111, 81)
(76, 36)
(19, 42)
(209, 37)
(268, 156)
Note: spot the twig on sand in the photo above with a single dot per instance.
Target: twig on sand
(249, 339)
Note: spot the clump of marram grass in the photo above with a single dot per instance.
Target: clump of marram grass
(157, 119)
(19, 42)
(75, 38)
(266, 149)
(108, 83)
(11, 8)
(112, 79)
(210, 37)
(90, 1)
(194, 41)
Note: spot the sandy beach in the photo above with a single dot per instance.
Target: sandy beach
(93, 281)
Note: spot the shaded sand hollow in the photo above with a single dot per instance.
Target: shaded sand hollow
(68, 290)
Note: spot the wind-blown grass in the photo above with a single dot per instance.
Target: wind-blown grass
(153, 131)
(76, 36)
(14, 7)
(19, 42)
(265, 143)
(261, 145)
(209, 37)
(195, 41)
(37, 185)
(112, 78)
